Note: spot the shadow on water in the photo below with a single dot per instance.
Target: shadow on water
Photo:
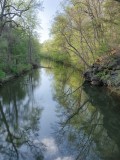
(109, 106)
(89, 119)
(19, 118)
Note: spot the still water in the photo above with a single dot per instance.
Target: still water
(49, 115)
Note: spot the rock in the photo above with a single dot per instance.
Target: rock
(95, 65)
(112, 64)
(95, 70)
(113, 73)
(95, 78)
(100, 68)
(117, 67)
(96, 81)
(118, 60)
(104, 82)
(88, 76)
(106, 72)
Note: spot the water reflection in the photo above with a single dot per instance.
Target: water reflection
(109, 107)
(19, 115)
(89, 121)
(49, 114)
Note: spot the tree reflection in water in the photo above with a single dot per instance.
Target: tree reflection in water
(19, 119)
(89, 122)
(88, 125)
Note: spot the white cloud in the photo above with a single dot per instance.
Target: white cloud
(51, 146)
(52, 150)
(64, 158)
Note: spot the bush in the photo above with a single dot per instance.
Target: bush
(102, 49)
(20, 68)
(2, 74)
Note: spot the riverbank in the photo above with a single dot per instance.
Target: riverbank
(105, 72)
(9, 77)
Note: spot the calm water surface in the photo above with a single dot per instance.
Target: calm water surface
(49, 115)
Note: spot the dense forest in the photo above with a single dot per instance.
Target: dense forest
(83, 31)
(19, 44)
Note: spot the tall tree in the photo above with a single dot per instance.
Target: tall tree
(18, 22)
(10, 10)
(87, 28)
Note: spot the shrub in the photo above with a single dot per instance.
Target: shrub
(2, 74)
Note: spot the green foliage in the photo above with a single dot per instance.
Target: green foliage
(103, 48)
(2, 74)
(15, 56)
(85, 30)
(20, 68)
(19, 46)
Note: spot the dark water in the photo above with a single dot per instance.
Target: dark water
(49, 115)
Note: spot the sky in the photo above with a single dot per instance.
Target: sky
(50, 7)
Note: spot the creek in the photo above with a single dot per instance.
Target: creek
(49, 114)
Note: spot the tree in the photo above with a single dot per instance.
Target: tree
(87, 29)
(12, 10)
(18, 22)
